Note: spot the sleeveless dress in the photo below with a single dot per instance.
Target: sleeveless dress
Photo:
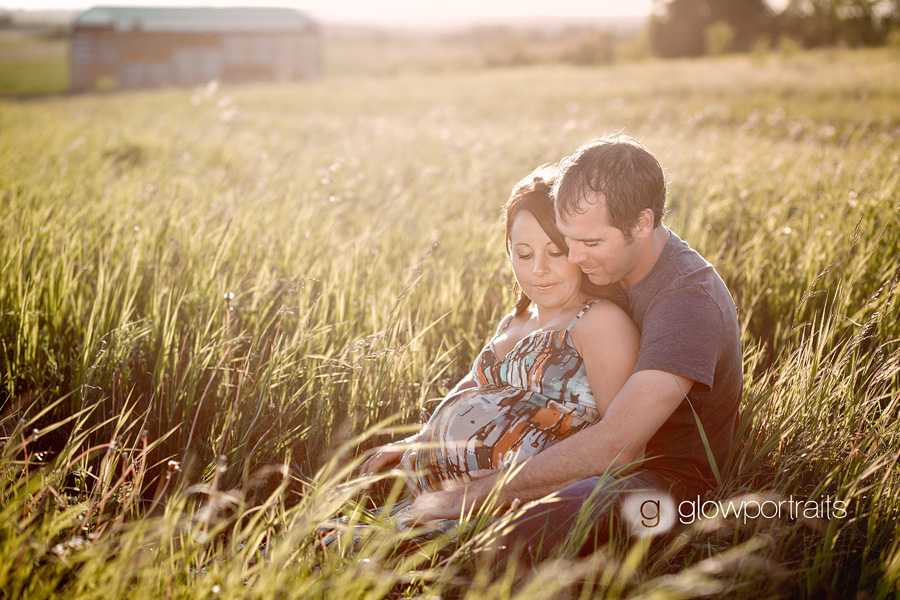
(532, 398)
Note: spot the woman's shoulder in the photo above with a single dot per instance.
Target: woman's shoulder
(604, 318)
(504, 323)
(512, 320)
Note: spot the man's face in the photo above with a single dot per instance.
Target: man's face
(597, 247)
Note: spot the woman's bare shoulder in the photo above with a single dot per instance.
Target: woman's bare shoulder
(513, 321)
(604, 318)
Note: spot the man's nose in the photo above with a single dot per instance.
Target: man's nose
(576, 254)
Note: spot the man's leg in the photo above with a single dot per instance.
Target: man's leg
(579, 518)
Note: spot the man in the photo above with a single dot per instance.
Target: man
(680, 402)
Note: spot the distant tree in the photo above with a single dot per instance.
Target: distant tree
(678, 27)
(851, 22)
(887, 15)
(890, 12)
(718, 38)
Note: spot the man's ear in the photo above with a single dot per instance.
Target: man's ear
(644, 226)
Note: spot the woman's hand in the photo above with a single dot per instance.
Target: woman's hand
(384, 458)
(456, 500)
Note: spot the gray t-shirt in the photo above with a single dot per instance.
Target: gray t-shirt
(689, 327)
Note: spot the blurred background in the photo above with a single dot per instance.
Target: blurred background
(54, 47)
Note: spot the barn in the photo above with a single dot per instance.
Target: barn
(134, 47)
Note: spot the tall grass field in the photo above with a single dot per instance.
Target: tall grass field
(215, 302)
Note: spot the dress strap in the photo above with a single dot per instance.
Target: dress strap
(583, 310)
(504, 323)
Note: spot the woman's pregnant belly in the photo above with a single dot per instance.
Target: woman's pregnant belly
(489, 427)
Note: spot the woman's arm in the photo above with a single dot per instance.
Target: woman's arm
(389, 455)
(608, 342)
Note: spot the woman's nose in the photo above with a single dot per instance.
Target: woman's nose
(540, 264)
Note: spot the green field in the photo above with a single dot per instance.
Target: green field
(31, 65)
(209, 298)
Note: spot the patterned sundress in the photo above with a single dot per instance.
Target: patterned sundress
(532, 398)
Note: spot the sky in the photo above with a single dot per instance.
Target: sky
(387, 11)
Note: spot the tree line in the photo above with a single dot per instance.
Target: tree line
(698, 27)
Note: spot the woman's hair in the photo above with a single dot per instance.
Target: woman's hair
(534, 194)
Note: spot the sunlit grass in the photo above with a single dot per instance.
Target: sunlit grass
(207, 295)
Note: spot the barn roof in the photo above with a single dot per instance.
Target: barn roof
(199, 20)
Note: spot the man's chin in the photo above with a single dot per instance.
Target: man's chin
(596, 279)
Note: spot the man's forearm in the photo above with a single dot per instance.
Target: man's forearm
(644, 403)
(537, 477)
(618, 440)
(588, 453)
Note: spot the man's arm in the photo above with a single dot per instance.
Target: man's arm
(637, 412)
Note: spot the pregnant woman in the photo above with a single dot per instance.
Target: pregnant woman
(552, 368)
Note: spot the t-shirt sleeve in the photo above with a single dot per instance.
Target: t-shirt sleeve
(682, 334)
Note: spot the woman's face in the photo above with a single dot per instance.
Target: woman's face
(542, 269)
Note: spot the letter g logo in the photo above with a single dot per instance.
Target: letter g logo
(648, 513)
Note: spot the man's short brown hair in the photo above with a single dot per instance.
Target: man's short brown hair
(623, 171)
